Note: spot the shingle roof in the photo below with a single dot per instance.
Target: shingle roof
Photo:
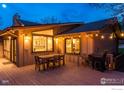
(92, 26)
(28, 23)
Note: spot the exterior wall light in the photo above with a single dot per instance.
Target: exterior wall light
(26, 38)
(9, 37)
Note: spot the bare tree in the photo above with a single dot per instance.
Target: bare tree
(117, 9)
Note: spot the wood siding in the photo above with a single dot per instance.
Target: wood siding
(88, 45)
(1, 48)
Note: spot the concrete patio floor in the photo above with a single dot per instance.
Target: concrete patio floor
(70, 74)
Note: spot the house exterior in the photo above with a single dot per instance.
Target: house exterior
(1, 45)
(25, 39)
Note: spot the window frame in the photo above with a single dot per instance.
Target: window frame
(46, 44)
(72, 46)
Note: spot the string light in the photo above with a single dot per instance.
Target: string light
(91, 35)
(87, 35)
(122, 34)
(102, 37)
(111, 37)
(96, 35)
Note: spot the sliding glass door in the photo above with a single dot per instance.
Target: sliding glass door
(10, 49)
(7, 48)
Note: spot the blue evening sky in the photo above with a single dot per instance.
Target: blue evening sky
(63, 12)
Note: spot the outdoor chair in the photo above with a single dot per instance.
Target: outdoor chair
(119, 63)
(57, 60)
(61, 58)
(51, 60)
(38, 62)
(84, 59)
(45, 62)
(97, 63)
(91, 61)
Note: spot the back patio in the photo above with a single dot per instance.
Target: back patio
(24, 41)
(70, 74)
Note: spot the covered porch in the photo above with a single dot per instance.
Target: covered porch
(9, 46)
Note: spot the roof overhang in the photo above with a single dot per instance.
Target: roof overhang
(8, 34)
(78, 33)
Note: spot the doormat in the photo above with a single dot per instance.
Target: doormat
(5, 63)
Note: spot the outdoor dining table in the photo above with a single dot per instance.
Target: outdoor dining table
(46, 58)
(50, 56)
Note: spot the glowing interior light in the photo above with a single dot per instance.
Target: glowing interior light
(56, 40)
(74, 41)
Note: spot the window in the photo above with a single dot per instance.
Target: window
(50, 43)
(43, 40)
(42, 43)
(76, 46)
(68, 46)
(73, 45)
(44, 32)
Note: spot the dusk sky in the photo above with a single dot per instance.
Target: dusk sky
(63, 12)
